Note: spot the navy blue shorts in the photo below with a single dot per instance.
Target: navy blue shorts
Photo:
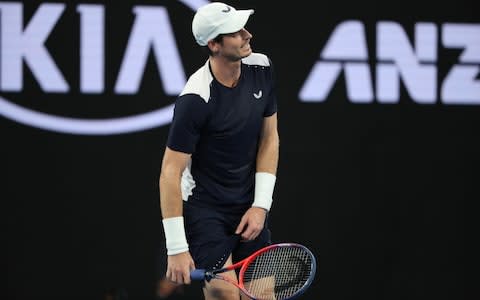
(211, 236)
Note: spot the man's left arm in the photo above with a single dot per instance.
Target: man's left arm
(267, 156)
(267, 161)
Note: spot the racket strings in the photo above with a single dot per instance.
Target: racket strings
(278, 273)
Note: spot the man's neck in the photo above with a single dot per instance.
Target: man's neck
(226, 72)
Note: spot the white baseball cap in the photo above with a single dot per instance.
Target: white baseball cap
(217, 18)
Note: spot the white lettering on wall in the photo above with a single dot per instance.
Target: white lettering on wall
(397, 60)
(345, 50)
(400, 60)
(92, 48)
(18, 45)
(143, 37)
(461, 86)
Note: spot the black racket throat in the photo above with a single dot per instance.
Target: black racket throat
(209, 275)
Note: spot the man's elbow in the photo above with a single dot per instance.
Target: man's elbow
(275, 140)
(168, 173)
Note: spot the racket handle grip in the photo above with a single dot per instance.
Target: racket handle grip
(197, 274)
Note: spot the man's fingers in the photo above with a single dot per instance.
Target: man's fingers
(180, 279)
(251, 231)
(186, 277)
(251, 224)
(168, 274)
(179, 267)
(241, 226)
(173, 277)
(249, 234)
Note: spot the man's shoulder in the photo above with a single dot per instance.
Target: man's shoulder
(257, 59)
(199, 83)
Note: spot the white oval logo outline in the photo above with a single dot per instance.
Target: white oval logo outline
(46, 121)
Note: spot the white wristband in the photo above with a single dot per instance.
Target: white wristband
(264, 184)
(175, 238)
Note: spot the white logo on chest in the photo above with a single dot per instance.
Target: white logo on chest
(258, 95)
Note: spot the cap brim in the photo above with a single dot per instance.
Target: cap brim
(237, 22)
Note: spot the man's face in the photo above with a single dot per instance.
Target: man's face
(236, 46)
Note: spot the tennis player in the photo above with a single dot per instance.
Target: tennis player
(222, 153)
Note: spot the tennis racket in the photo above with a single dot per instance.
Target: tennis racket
(279, 271)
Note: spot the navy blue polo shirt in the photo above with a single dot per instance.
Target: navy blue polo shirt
(220, 126)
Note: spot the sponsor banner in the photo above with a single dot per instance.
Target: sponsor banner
(95, 69)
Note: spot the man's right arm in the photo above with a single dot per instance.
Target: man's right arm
(180, 262)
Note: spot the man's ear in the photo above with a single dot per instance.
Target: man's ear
(213, 46)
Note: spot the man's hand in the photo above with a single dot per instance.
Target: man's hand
(179, 267)
(251, 223)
